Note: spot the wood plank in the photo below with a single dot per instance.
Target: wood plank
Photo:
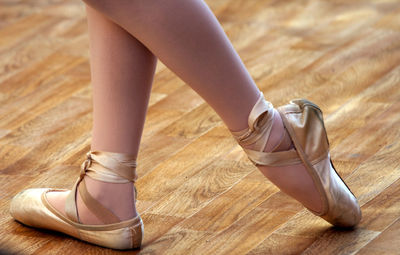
(233, 204)
(387, 241)
(174, 171)
(381, 211)
(202, 188)
(341, 241)
(198, 192)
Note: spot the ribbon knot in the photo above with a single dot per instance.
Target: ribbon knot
(86, 164)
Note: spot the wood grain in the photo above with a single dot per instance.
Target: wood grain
(197, 191)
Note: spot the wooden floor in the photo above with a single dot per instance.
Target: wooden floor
(198, 193)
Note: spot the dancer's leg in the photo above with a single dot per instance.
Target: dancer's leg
(186, 36)
(122, 71)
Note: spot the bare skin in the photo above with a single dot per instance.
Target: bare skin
(126, 39)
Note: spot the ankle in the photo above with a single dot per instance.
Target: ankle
(118, 197)
(278, 139)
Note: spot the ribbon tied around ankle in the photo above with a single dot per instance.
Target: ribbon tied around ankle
(259, 124)
(86, 164)
(102, 166)
(109, 167)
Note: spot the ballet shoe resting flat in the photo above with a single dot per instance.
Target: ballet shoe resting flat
(32, 208)
(304, 122)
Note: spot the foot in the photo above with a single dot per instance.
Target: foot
(118, 197)
(294, 180)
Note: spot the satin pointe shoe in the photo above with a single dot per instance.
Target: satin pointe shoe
(304, 122)
(31, 207)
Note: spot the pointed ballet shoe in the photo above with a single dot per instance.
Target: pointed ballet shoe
(304, 123)
(31, 207)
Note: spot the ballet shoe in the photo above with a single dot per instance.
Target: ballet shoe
(303, 121)
(32, 208)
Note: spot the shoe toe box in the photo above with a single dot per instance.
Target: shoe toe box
(349, 217)
(27, 207)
